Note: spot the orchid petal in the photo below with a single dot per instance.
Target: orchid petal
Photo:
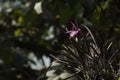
(70, 31)
(74, 27)
(74, 31)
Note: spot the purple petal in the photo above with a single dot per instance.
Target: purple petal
(72, 34)
(74, 31)
(70, 31)
(74, 26)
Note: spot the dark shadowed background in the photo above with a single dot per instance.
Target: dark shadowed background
(31, 29)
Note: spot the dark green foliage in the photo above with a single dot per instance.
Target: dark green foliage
(23, 31)
(95, 56)
(89, 60)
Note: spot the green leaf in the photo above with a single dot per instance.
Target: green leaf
(119, 78)
(17, 33)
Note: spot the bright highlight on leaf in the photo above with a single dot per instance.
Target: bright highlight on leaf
(17, 32)
(118, 78)
(38, 7)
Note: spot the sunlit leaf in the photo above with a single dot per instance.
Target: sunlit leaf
(38, 7)
(17, 32)
(20, 20)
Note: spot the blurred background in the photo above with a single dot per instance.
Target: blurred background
(31, 29)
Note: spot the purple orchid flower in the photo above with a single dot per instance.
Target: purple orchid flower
(74, 31)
